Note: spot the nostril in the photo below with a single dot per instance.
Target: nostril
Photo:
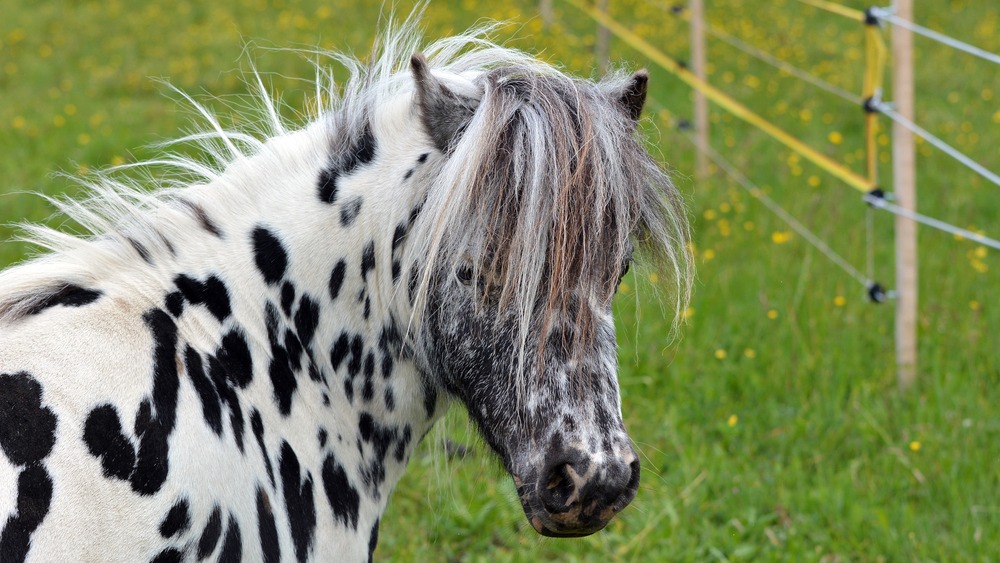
(633, 480)
(558, 493)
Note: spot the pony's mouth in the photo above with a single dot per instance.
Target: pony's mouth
(566, 506)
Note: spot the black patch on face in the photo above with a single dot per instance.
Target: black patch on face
(232, 546)
(27, 428)
(268, 531)
(210, 535)
(168, 555)
(343, 497)
(257, 425)
(177, 520)
(210, 403)
(105, 439)
(372, 541)
(349, 211)
(141, 250)
(68, 296)
(367, 260)
(34, 497)
(299, 502)
(270, 255)
(212, 293)
(337, 278)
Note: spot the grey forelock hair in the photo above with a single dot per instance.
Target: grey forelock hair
(551, 184)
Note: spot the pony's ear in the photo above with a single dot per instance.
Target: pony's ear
(444, 113)
(633, 96)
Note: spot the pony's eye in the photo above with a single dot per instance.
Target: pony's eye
(464, 274)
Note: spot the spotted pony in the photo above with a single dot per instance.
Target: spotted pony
(239, 362)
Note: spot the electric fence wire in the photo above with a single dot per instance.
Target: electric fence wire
(785, 216)
(770, 59)
(881, 203)
(887, 110)
(887, 15)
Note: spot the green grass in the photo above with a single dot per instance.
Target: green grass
(773, 430)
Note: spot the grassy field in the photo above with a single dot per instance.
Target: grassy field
(773, 430)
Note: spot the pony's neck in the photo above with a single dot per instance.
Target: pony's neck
(318, 286)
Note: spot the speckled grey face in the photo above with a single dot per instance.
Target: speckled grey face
(555, 422)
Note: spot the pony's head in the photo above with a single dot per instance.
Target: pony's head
(542, 193)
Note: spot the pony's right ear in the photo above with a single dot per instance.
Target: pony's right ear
(444, 113)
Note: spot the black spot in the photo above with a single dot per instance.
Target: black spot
(328, 185)
(140, 249)
(430, 399)
(299, 502)
(372, 541)
(232, 545)
(212, 293)
(177, 520)
(270, 255)
(337, 278)
(367, 260)
(403, 443)
(34, 497)
(27, 429)
(321, 435)
(68, 296)
(423, 158)
(210, 405)
(368, 308)
(349, 390)
(175, 303)
(306, 320)
(210, 535)
(282, 380)
(364, 150)
(287, 298)
(235, 360)
(152, 460)
(390, 399)
(257, 425)
(204, 221)
(339, 351)
(357, 354)
(399, 235)
(343, 497)
(349, 211)
(168, 555)
(408, 174)
(105, 439)
(268, 531)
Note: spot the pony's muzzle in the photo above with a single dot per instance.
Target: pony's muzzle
(574, 496)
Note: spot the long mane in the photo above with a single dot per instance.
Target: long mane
(549, 179)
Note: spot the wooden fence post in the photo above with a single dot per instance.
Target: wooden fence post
(904, 180)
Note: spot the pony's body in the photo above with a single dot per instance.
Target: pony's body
(241, 368)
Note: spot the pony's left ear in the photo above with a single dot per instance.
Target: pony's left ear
(444, 113)
(633, 96)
